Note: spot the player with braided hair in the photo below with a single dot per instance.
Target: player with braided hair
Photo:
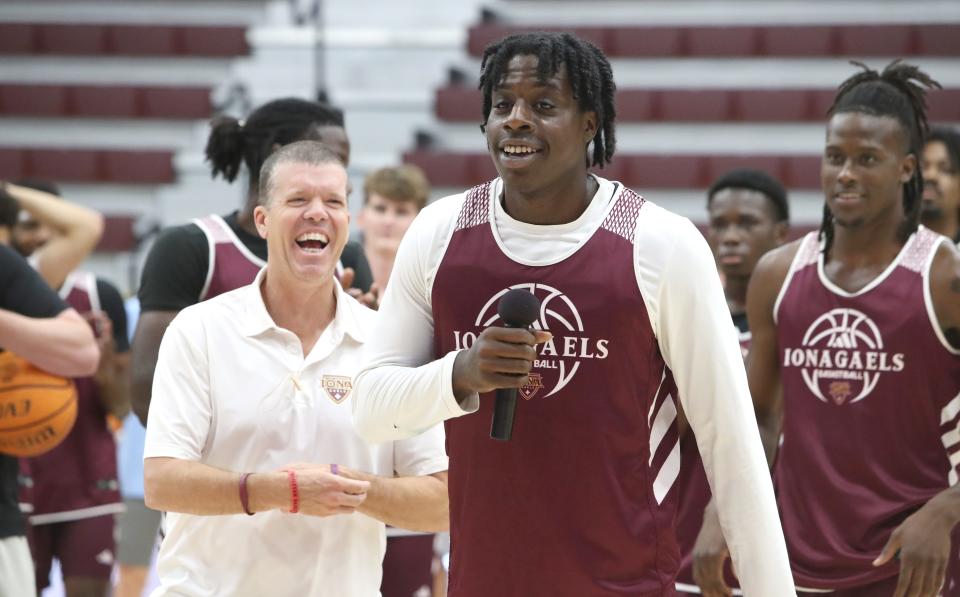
(859, 326)
(582, 500)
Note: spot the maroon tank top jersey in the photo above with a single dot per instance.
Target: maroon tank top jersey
(78, 478)
(231, 264)
(871, 398)
(581, 501)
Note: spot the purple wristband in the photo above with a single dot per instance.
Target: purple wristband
(334, 469)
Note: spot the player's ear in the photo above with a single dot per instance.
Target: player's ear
(589, 120)
(908, 167)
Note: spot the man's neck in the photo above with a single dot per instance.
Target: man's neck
(381, 264)
(945, 226)
(561, 202)
(735, 291)
(245, 215)
(305, 310)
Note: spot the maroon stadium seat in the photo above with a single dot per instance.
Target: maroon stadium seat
(132, 40)
(656, 171)
(138, 166)
(63, 165)
(697, 105)
(11, 163)
(772, 105)
(71, 39)
(722, 41)
(117, 234)
(882, 40)
(104, 101)
(645, 41)
(176, 102)
(798, 41)
(33, 100)
(459, 104)
(17, 38)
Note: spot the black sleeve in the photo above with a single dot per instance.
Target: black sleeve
(175, 270)
(112, 304)
(23, 291)
(353, 256)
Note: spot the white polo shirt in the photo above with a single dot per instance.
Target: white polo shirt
(233, 390)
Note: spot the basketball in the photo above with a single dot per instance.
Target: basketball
(37, 409)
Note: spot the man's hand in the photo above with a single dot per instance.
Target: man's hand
(371, 298)
(500, 358)
(709, 555)
(922, 543)
(323, 494)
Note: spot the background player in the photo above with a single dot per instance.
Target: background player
(581, 501)
(38, 326)
(860, 327)
(200, 260)
(941, 183)
(73, 488)
(748, 216)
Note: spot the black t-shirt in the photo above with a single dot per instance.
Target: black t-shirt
(22, 291)
(176, 268)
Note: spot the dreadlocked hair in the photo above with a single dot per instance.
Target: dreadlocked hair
(588, 71)
(898, 92)
(280, 122)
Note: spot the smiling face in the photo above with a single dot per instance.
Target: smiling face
(865, 165)
(305, 221)
(536, 132)
(384, 221)
(743, 227)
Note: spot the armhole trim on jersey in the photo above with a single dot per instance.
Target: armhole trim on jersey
(90, 281)
(212, 252)
(233, 238)
(68, 284)
(928, 298)
(794, 265)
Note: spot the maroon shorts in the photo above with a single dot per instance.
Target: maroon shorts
(84, 547)
(406, 565)
(882, 588)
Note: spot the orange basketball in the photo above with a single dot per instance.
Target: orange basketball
(37, 409)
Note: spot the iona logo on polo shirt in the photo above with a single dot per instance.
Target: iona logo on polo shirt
(559, 358)
(842, 356)
(337, 387)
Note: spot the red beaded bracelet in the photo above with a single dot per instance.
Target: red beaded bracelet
(294, 492)
(244, 496)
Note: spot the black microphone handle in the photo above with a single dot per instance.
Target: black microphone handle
(504, 413)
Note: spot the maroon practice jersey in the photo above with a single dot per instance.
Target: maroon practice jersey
(581, 501)
(78, 478)
(231, 264)
(871, 398)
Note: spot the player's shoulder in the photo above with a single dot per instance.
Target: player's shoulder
(776, 262)
(661, 230)
(175, 241)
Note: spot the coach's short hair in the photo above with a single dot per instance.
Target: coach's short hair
(312, 153)
(754, 180)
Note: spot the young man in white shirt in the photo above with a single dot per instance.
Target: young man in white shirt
(582, 500)
(257, 380)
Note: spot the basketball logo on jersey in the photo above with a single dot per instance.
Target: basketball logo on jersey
(842, 356)
(561, 356)
(337, 387)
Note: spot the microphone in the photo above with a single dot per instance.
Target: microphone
(517, 309)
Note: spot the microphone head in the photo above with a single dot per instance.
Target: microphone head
(518, 308)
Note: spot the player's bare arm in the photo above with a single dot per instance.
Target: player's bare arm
(78, 230)
(144, 351)
(763, 375)
(922, 542)
(175, 485)
(63, 345)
